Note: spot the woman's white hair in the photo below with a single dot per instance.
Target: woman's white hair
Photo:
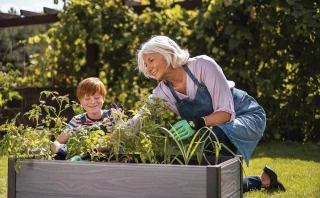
(170, 50)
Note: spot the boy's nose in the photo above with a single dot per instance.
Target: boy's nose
(92, 100)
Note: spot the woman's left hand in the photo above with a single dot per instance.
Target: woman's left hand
(186, 128)
(182, 130)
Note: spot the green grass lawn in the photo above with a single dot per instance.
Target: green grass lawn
(297, 165)
(3, 177)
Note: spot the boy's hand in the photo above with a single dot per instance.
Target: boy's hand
(56, 147)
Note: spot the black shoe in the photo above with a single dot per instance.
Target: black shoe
(59, 156)
(274, 182)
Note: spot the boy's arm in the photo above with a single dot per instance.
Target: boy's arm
(59, 145)
(63, 138)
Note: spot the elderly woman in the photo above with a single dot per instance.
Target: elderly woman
(196, 89)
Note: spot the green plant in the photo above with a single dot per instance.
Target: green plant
(8, 83)
(152, 143)
(33, 142)
(147, 142)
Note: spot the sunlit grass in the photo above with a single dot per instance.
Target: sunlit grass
(297, 166)
(3, 177)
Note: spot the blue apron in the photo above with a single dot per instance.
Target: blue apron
(244, 131)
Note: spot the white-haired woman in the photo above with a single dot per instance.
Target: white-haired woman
(196, 89)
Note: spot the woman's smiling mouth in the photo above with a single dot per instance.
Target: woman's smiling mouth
(154, 73)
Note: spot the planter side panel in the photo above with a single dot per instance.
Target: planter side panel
(96, 179)
(237, 194)
(230, 177)
(37, 195)
(11, 179)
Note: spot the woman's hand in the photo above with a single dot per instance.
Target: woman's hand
(186, 128)
(182, 130)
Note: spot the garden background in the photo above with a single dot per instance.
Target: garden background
(269, 48)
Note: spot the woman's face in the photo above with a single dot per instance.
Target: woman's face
(156, 65)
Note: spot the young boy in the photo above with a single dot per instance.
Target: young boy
(91, 93)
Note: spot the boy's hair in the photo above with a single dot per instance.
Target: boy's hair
(91, 86)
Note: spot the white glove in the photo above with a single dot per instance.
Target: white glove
(56, 147)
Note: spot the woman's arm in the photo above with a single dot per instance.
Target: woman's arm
(217, 118)
(211, 74)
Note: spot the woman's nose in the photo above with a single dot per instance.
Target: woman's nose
(149, 68)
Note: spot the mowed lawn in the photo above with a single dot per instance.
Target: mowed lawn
(297, 165)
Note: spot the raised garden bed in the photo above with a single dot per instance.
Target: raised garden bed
(64, 179)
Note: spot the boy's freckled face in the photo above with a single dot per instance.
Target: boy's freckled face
(92, 104)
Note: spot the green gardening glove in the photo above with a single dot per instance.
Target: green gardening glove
(182, 130)
(77, 158)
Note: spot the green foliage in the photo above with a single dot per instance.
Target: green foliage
(25, 142)
(15, 60)
(270, 51)
(8, 81)
(269, 48)
(145, 143)
(14, 48)
(86, 139)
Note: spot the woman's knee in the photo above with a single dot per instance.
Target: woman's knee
(222, 138)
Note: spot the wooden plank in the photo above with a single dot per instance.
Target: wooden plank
(96, 179)
(241, 175)
(132, 2)
(230, 180)
(236, 194)
(219, 181)
(49, 10)
(188, 4)
(29, 13)
(8, 16)
(11, 179)
(212, 181)
(37, 195)
(41, 178)
(34, 20)
(92, 51)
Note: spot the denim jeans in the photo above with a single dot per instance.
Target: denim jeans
(254, 183)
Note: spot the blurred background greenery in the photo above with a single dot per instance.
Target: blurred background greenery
(269, 48)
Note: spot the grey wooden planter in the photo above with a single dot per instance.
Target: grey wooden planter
(64, 179)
